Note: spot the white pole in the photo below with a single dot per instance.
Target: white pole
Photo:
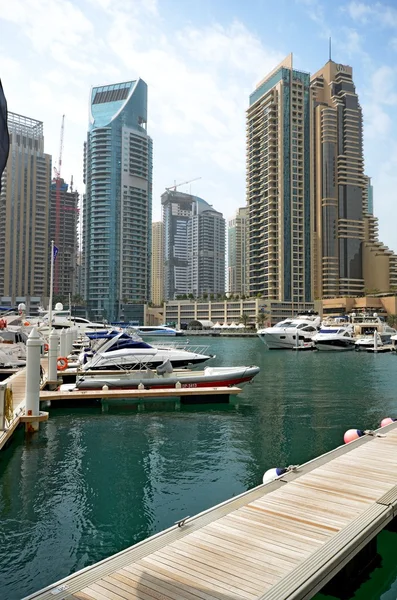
(32, 393)
(53, 356)
(63, 342)
(375, 341)
(51, 286)
(70, 310)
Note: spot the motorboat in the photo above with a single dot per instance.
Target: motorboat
(291, 333)
(119, 350)
(334, 338)
(365, 325)
(367, 342)
(153, 330)
(62, 319)
(165, 377)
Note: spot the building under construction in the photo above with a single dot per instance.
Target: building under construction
(63, 229)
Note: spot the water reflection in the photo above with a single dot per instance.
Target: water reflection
(90, 484)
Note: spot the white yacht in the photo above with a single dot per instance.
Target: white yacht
(334, 338)
(62, 319)
(118, 350)
(156, 330)
(290, 333)
(365, 325)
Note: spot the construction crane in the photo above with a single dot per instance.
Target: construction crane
(176, 185)
(57, 173)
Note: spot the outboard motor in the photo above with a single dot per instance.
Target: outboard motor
(165, 368)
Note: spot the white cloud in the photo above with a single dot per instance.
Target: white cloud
(199, 80)
(383, 14)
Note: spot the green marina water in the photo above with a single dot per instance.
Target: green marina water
(91, 484)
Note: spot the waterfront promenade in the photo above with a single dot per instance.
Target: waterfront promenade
(286, 539)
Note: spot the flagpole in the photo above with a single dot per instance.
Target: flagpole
(51, 285)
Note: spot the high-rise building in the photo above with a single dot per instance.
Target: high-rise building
(238, 253)
(188, 224)
(177, 210)
(118, 200)
(338, 183)
(157, 263)
(25, 206)
(206, 250)
(4, 137)
(278, 186)
(65, 268)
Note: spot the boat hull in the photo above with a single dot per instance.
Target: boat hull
(334, 345)
(226, 378)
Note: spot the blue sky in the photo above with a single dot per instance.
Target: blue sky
(200, 59)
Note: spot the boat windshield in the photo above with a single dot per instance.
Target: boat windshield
(330, 330)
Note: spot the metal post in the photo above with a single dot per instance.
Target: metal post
(51, 286)
(53, 356)
(63, 342)
(375, 341)
(32, 393)
(3, 388)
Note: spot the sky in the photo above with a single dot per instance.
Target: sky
(201, 59)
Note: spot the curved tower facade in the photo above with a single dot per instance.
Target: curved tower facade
(118, 202)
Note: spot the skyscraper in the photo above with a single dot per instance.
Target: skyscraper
(194, 240)
(339, 183)
(238, 253)
(177, 210)
(4, 137)
(65, 281)
(118, 201)
(157, 263)
(278, 186)
(25, 206)
(206, 250)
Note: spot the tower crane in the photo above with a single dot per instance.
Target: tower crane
(57, 173)
(176, 185)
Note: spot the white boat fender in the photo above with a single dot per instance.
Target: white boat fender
(272, 474)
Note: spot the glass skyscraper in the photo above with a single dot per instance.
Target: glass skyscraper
(278, 186)
(117, 216)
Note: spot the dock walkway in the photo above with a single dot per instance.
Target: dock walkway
(17, 384)
(283, 540)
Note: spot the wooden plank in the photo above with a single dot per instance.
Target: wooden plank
(274, 563)
(160, 586)
(168, 581)
(195, 576)
(211, 573)
(207, 557)
(252, 569)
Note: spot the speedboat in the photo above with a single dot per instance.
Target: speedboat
(119, 350)
(165, 377)
(334, 338)
(368, 342)
(153, 330)
(291, 333)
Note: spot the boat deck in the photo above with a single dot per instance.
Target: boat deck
(283, 540)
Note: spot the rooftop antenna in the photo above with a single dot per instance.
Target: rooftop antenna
(330, 49)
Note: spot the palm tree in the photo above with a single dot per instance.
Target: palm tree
(244, 318)
(261, 320)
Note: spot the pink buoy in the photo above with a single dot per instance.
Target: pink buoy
(351, 435)
(386, 421)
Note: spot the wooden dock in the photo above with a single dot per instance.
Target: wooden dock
(283, 540)
(139, 394)
(17, 384)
